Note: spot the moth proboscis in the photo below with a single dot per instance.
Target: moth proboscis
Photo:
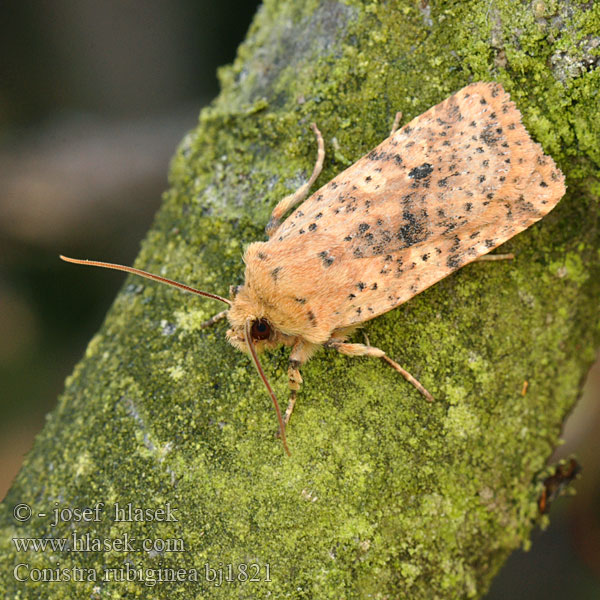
(440, 192)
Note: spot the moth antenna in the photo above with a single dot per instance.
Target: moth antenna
(181, 286)
(247, 332)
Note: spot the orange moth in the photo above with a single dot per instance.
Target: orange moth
(440, 192)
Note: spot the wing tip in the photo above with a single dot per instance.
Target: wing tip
(530, 166)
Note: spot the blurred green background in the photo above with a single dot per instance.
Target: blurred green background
(94, 98)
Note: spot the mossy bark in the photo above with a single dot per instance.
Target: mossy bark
(385, 495)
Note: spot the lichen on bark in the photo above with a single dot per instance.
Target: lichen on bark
(385, 495)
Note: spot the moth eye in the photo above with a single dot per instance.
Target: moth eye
(261, 330)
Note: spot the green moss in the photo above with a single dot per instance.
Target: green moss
(385, 495)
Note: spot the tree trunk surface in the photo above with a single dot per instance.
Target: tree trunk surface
(385, 495)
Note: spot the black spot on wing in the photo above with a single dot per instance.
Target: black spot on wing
(413, 231)
(421, 172)
(489, 136)
(326, 259)
(453, 261)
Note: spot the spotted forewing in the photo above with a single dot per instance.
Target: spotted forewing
(445, 189)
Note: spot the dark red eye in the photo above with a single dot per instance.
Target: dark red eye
(261, 330)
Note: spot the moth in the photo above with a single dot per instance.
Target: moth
(440, 192)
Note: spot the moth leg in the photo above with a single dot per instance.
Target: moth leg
(490, 257)
(301, 352)
(396, 123)
(300, 194)
(294, 383)
(290, 407)
(415, 382)
(363, 350)
(214, 319)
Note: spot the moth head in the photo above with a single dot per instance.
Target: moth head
(263, 330)
(252, 331)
